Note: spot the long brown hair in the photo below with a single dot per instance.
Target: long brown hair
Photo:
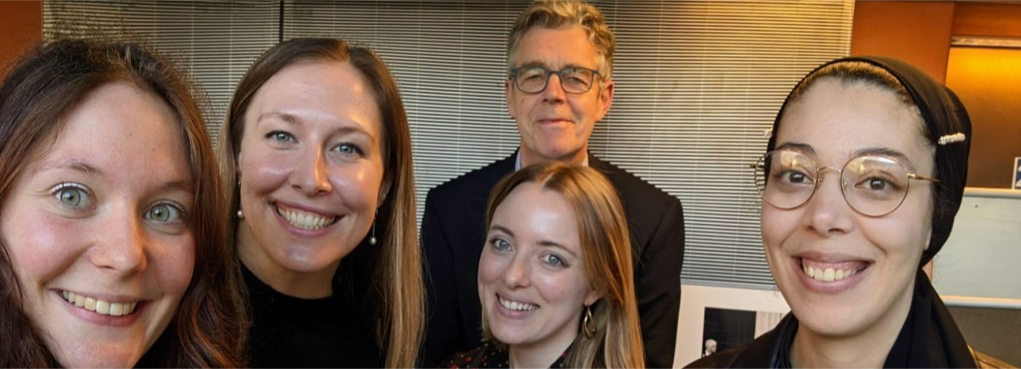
(606, 256)
(41, 89)
(388, 277)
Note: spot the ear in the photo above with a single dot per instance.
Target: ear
(384, 190)
(605, 98)
(592, 297)
(507, 90)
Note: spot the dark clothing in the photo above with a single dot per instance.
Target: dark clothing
(488, 356)
(453, 235)
(291, 332)
(929, 338)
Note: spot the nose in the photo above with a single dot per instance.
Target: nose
(826, 212)
(311, 174)
(122, 244)
(554, 91)
(518, 272)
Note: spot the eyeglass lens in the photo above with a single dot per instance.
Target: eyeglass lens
(871, 185)
(535, 79)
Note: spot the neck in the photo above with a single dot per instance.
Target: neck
(529, 157)
(312, 285)
(541, 354)
(866, 349)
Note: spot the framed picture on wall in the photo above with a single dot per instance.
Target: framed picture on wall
(1017, 174)
(719, 318)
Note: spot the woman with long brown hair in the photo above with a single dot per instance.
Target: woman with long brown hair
(317, 156)
(113, 249)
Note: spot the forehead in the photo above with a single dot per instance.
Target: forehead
(556, 47)
(121, 129)
(535, 214)
(839, 119)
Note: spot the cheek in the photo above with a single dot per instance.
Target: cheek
(567, 288)
(264, 170)
(46, 251)
(490, 268)
(776, 226)
(358, 186)
(176, 263)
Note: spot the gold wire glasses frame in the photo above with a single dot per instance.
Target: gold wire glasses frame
(873, 185)
(534, 79)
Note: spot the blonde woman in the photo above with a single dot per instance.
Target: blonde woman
(555, 277)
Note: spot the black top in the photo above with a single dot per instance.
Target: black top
(453, 235)
(291, 332)
(488, 356)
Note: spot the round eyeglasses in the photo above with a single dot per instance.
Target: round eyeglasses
(534, 79)
(873, 185)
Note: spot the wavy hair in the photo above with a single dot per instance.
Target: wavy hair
(606, 259)
(554, 14)
(46, 85)
(387, 277)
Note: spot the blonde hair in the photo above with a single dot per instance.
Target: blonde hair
(606, 260)
(554, 14)
(388, 275)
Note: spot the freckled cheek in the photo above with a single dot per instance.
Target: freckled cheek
(175, 262)
(44, 252)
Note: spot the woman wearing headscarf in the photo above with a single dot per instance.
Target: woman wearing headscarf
(860, 184)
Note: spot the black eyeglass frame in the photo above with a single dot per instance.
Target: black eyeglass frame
(548, 73)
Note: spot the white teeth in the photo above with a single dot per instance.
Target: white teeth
(517, 306)
(828, 274)
(305, 220)
(99, 306)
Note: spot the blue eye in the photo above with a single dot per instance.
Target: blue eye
(280, 136)
(72, 195)
(165, 213)
(348, 149)
(554, 260)
(500, 244)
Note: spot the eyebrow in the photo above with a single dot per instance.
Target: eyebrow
(536, 63)
(294, 121)
(882, 151)
(72, 164)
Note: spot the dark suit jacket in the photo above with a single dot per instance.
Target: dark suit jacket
(453, 235)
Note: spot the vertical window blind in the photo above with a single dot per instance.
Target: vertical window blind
(213, 41)
(697, 86)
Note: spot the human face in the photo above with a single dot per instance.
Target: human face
(101, 220)
(555, 125)
(311, 174)
(532, 283)
(874, 259)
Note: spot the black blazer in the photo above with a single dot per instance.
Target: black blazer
(453, 235)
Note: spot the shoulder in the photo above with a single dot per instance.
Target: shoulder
(722, 359)
(633, 188)
(478, 180)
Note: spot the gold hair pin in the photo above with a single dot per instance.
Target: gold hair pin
(951, 138)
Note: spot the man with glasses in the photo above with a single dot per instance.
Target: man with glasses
(559, 84)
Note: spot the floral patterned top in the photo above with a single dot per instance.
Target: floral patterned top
(488, 356)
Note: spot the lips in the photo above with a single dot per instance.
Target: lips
(516, 305)
(305, 219)
(99, 306)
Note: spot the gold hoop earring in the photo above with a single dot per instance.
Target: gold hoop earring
(588, 325)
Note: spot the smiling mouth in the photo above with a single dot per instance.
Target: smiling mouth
(832, 272)
(99, 306)
(305, 220)
(516, 305)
